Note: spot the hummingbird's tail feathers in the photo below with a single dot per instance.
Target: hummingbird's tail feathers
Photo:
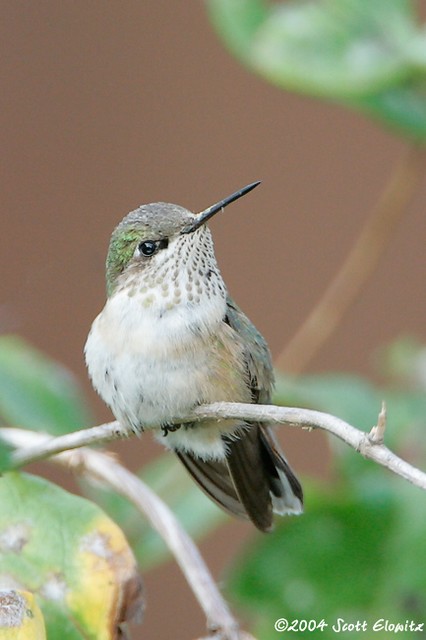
(212, 476)
(262, 476)
(253, 481)
(286, 490)
(245, 460)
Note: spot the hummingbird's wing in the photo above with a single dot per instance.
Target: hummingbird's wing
(255, 479)
(239, 485)
(261, 475)
(257, 355)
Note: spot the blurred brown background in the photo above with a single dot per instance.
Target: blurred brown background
(105, 106)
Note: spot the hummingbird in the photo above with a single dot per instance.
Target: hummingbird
(170, 338)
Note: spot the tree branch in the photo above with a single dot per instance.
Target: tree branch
(101, 467)
(369, 445)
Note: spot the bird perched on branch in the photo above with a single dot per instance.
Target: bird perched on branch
(170, 338)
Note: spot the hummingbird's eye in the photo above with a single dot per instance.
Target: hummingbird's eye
(148, 248)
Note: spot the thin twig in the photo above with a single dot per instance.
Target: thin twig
(357, 267)
(361, 441)
(98, 466)
(377, 433)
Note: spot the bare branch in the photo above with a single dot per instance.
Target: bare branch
(49, 446)
(369, 445)
(101, 467)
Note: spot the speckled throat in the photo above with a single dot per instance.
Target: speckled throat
(184, 275)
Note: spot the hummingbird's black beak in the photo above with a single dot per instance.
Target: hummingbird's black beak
(211, 211)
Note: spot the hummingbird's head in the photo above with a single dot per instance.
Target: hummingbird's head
(158, 238)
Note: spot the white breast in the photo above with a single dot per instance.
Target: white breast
(148, 362)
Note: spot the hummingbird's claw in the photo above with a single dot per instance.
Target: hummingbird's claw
(165, 428)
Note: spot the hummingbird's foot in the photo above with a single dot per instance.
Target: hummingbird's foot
(165, 428)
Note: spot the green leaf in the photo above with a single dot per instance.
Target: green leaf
(404, 590)
(338, 48)
(68, 553)
(238, 21)
(402, 108)
(314, 554)
(37, 393)
(368, 55)
(5, 455)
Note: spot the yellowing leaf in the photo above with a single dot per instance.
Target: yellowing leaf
(20, 617)
(103, 561)
(67, 552)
